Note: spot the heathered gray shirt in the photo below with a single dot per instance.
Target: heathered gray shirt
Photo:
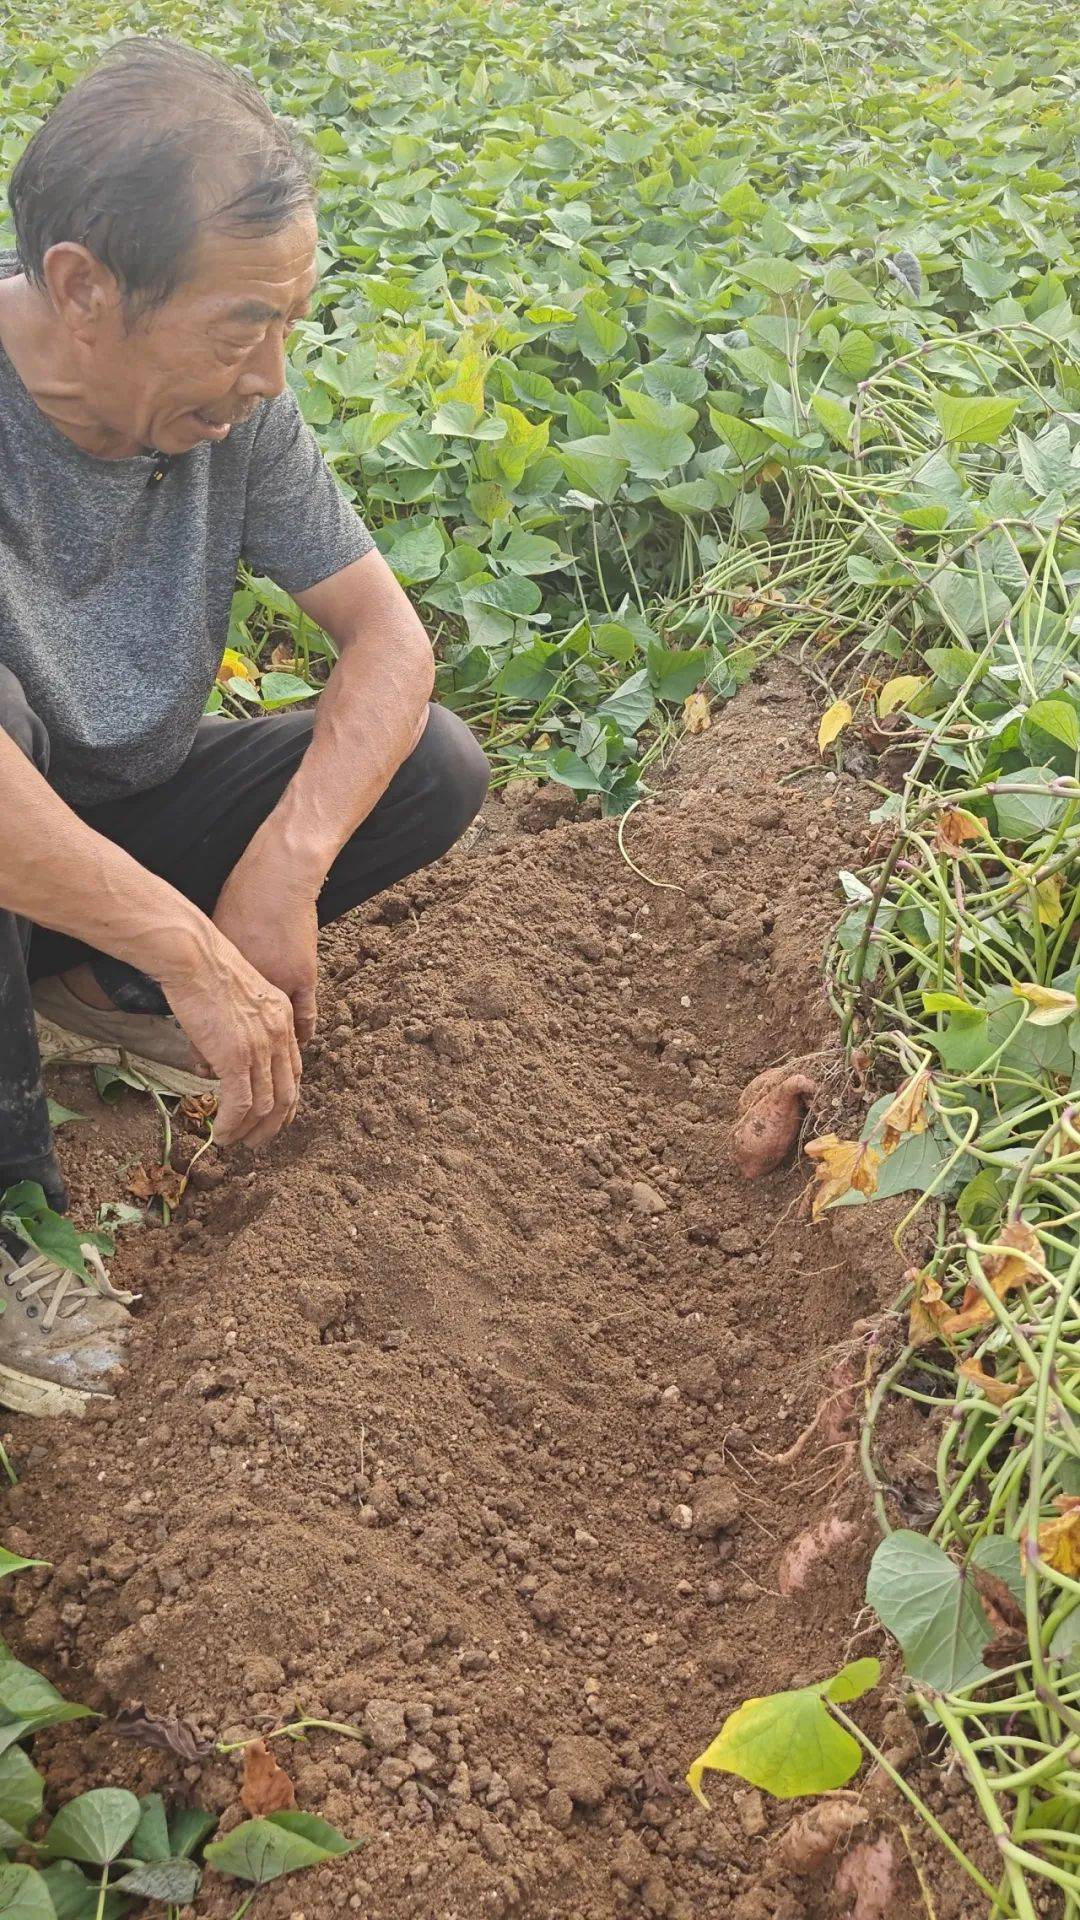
(115, 590)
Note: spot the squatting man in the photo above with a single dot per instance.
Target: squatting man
(163, 874)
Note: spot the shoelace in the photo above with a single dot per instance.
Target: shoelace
(41, 1276)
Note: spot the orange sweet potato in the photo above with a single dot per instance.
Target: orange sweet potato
(770, 1114)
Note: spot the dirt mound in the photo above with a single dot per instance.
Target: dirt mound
(450, 1418)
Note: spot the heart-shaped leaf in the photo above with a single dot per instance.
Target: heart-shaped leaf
(265, 1849)
(789, 1743)
(96, 1827)
(932, 1607)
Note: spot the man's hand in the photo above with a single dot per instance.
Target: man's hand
(271, 919)
(243, 1027)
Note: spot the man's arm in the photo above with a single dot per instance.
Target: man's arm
(59, 873)
(368, 721)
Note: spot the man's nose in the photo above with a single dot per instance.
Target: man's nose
(264, 372)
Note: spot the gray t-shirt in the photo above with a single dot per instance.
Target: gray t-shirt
(115, 589)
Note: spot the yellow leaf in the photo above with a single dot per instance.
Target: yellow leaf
(954, 826)
(235, 666)
(898, 692)
(928, 1309)
(907, 1113)
(1048, 900)
(696, 715)
(1019, 1259)
(1059, 1542)
(841, 1166)
(833, 723)
(1048, 1006)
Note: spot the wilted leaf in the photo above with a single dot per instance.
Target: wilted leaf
(1018, 1263)
(954, 827)
(1048, 1006)
(998, 1392)
(1059, 1540)
(696, 715)
(267, 1787)
(199, 1106)
(833, 722)
(898, 692)
(928, 1309)
(162, 1731)
(907, 1113)
(841, 1166)
(175, 1881)
(157, 1183)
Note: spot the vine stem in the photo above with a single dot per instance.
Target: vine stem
(919, 1805)
(992, 1814)
(858, 964)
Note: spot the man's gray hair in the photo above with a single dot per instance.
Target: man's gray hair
(155, 146)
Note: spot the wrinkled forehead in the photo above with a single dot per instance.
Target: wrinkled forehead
(255, 280)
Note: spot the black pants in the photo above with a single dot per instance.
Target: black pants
(192, 830)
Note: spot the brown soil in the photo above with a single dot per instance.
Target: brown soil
(450, 1416)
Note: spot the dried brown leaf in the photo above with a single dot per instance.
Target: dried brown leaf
(161, 1731)
(157, 1183)
(954, 827)
(841, 1166)
(266, 1787)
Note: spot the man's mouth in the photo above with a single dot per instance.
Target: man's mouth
(219, 428)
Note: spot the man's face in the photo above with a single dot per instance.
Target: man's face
(201, 363)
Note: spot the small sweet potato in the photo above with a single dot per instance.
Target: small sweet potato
(868, 1878)
(816, 1834)
(771, 1112)
(800, 1558)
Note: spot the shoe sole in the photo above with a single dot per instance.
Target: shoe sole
(59, 1047)
(43, 1399)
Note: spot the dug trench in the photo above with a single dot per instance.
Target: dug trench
(453, 1416)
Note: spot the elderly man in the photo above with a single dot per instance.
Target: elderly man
(162, 874)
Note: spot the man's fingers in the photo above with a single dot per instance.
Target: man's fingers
(234, 1108)
(304, 1014)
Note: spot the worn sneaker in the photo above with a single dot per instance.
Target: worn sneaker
(61, 1339)
(153, 1045)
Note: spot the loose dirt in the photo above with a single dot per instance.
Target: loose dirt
(450, 1417)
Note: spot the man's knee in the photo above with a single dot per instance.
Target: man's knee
(19, 721)
(456, 774)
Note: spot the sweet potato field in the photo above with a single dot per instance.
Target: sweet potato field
(682, 358)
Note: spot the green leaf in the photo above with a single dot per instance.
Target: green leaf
(931, 1606)
(15, 1563)
(62, 1116)
(25, 1210)
(24, 1895)
(188, 1828)
(675, 671)
(96, 1827)
(788, 1743)
(150, 1840)
(631, 705)
(27, 1697)
(569, 770)
(530, 553)
(262, 1850)
(1057, 718)
(599, 334)
(835, 417)
(777, 276)
(21, 1789)
(174, 1880)
(74, 1897)
(596, 465)
(1023, 816)
(417, 552)
(974, 420)
(284, 690)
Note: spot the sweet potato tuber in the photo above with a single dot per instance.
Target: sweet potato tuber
(816, 1834)
(770, 1114)
(869, 1874)
(800, 1558)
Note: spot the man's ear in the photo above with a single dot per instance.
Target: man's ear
(84, 294)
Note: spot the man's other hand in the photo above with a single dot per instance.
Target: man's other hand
(243, 1028)
(273, 923)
